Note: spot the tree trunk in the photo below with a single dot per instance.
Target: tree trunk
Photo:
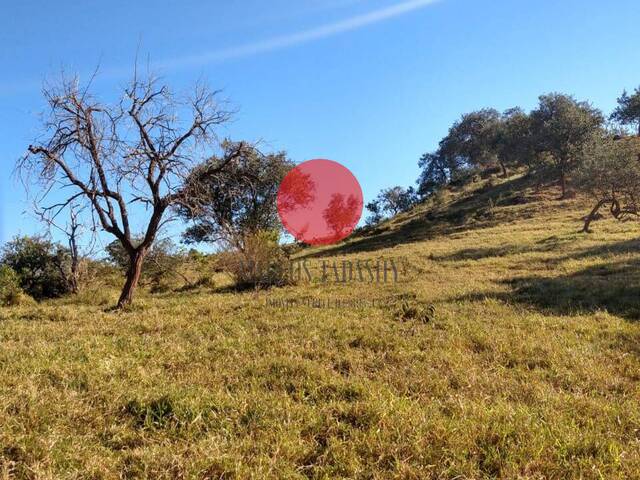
(133, 277)
(615, 209)
(563, 185)
(74, 281)
(504, 169)
(592, 215)
(638, 136)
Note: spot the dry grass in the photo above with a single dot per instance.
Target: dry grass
(529, 369)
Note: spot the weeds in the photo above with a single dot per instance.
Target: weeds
(407, 307)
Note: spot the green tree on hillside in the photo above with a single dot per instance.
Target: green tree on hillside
(561, 126)
(391, 202)
(437, 169)
(511, 140)
(610, 175)
(472, 138)
(628, 110)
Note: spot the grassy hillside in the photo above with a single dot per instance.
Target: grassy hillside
(530, 368)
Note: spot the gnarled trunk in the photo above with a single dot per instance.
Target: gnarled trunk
(592, 216)
(563, 185)
(133, 277)
(503, 167)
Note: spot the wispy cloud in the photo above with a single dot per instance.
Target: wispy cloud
(291, 40)
(249, 49)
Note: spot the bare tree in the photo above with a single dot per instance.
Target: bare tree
(69, 263)
(125, 159)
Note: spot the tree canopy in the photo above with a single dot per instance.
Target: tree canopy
(229, 203)
(561, 127)
(391, 201)
(628, 110)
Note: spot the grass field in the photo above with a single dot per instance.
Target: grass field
(530, 368)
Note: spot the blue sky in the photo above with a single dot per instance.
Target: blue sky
(372, 84)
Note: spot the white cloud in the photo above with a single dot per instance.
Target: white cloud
(290, 40)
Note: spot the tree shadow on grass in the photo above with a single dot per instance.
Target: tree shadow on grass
(617, 248)
(613, 286)
(547, 244)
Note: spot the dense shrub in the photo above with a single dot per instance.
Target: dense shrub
(9, 286)
(39, 264)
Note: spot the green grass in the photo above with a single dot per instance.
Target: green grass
(529, 369)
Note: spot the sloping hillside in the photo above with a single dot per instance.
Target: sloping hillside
(529, 369)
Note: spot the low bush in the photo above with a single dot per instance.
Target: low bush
(257, 261)
(10, 291)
